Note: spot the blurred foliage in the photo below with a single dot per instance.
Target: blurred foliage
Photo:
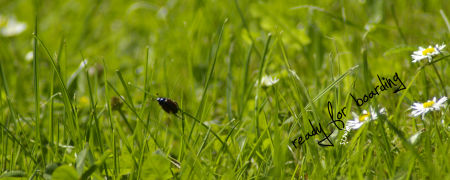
(322, 40)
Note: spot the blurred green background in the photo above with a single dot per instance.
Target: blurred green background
(321, 39)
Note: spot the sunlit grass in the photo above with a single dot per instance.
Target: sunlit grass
(63, 119)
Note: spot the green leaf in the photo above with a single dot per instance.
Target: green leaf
(80, 160)
(94, 167)
(126, 163)
(49, 169)
(89, 171)
(65, 172)
(156, 166)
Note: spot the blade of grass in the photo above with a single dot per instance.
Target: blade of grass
(244, 23)
(127, 92)
(135, 113)
(211, 72)
(252, 152)
(36, 91)
(207, 127)
(445, 19)
(8, 98)
(397, 24)
(208, 79)
(111, 122)
(229, 86)
(14, 139)
(128, 104)
(145, 81)
(52, 89)
(67, 102)
(141, 157)
(243, 101)
(260, 72)
(226, 140)
(94, 114)
(334, 83)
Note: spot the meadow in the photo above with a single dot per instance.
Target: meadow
(251, 89)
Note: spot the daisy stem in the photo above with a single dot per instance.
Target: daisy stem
(440, 79)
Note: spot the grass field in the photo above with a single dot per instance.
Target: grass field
(255, 83)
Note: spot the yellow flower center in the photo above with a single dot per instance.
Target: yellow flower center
(428, 50)
(428, 104)
(363, 117)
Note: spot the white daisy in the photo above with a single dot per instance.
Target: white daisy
(429, 52)
(267, 81)
(431, 105)
(360, 120)
(365, 117)
(11, 27)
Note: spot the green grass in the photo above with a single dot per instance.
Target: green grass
(59, 120)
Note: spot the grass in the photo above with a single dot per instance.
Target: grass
(61, 119)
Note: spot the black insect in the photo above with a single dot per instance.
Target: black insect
(168, 105)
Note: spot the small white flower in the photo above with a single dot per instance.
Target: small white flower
(429, 52)
(29, 56)
(365, 117)
(431, 105)
(83, 63)
(11, 27)
(267, 81)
